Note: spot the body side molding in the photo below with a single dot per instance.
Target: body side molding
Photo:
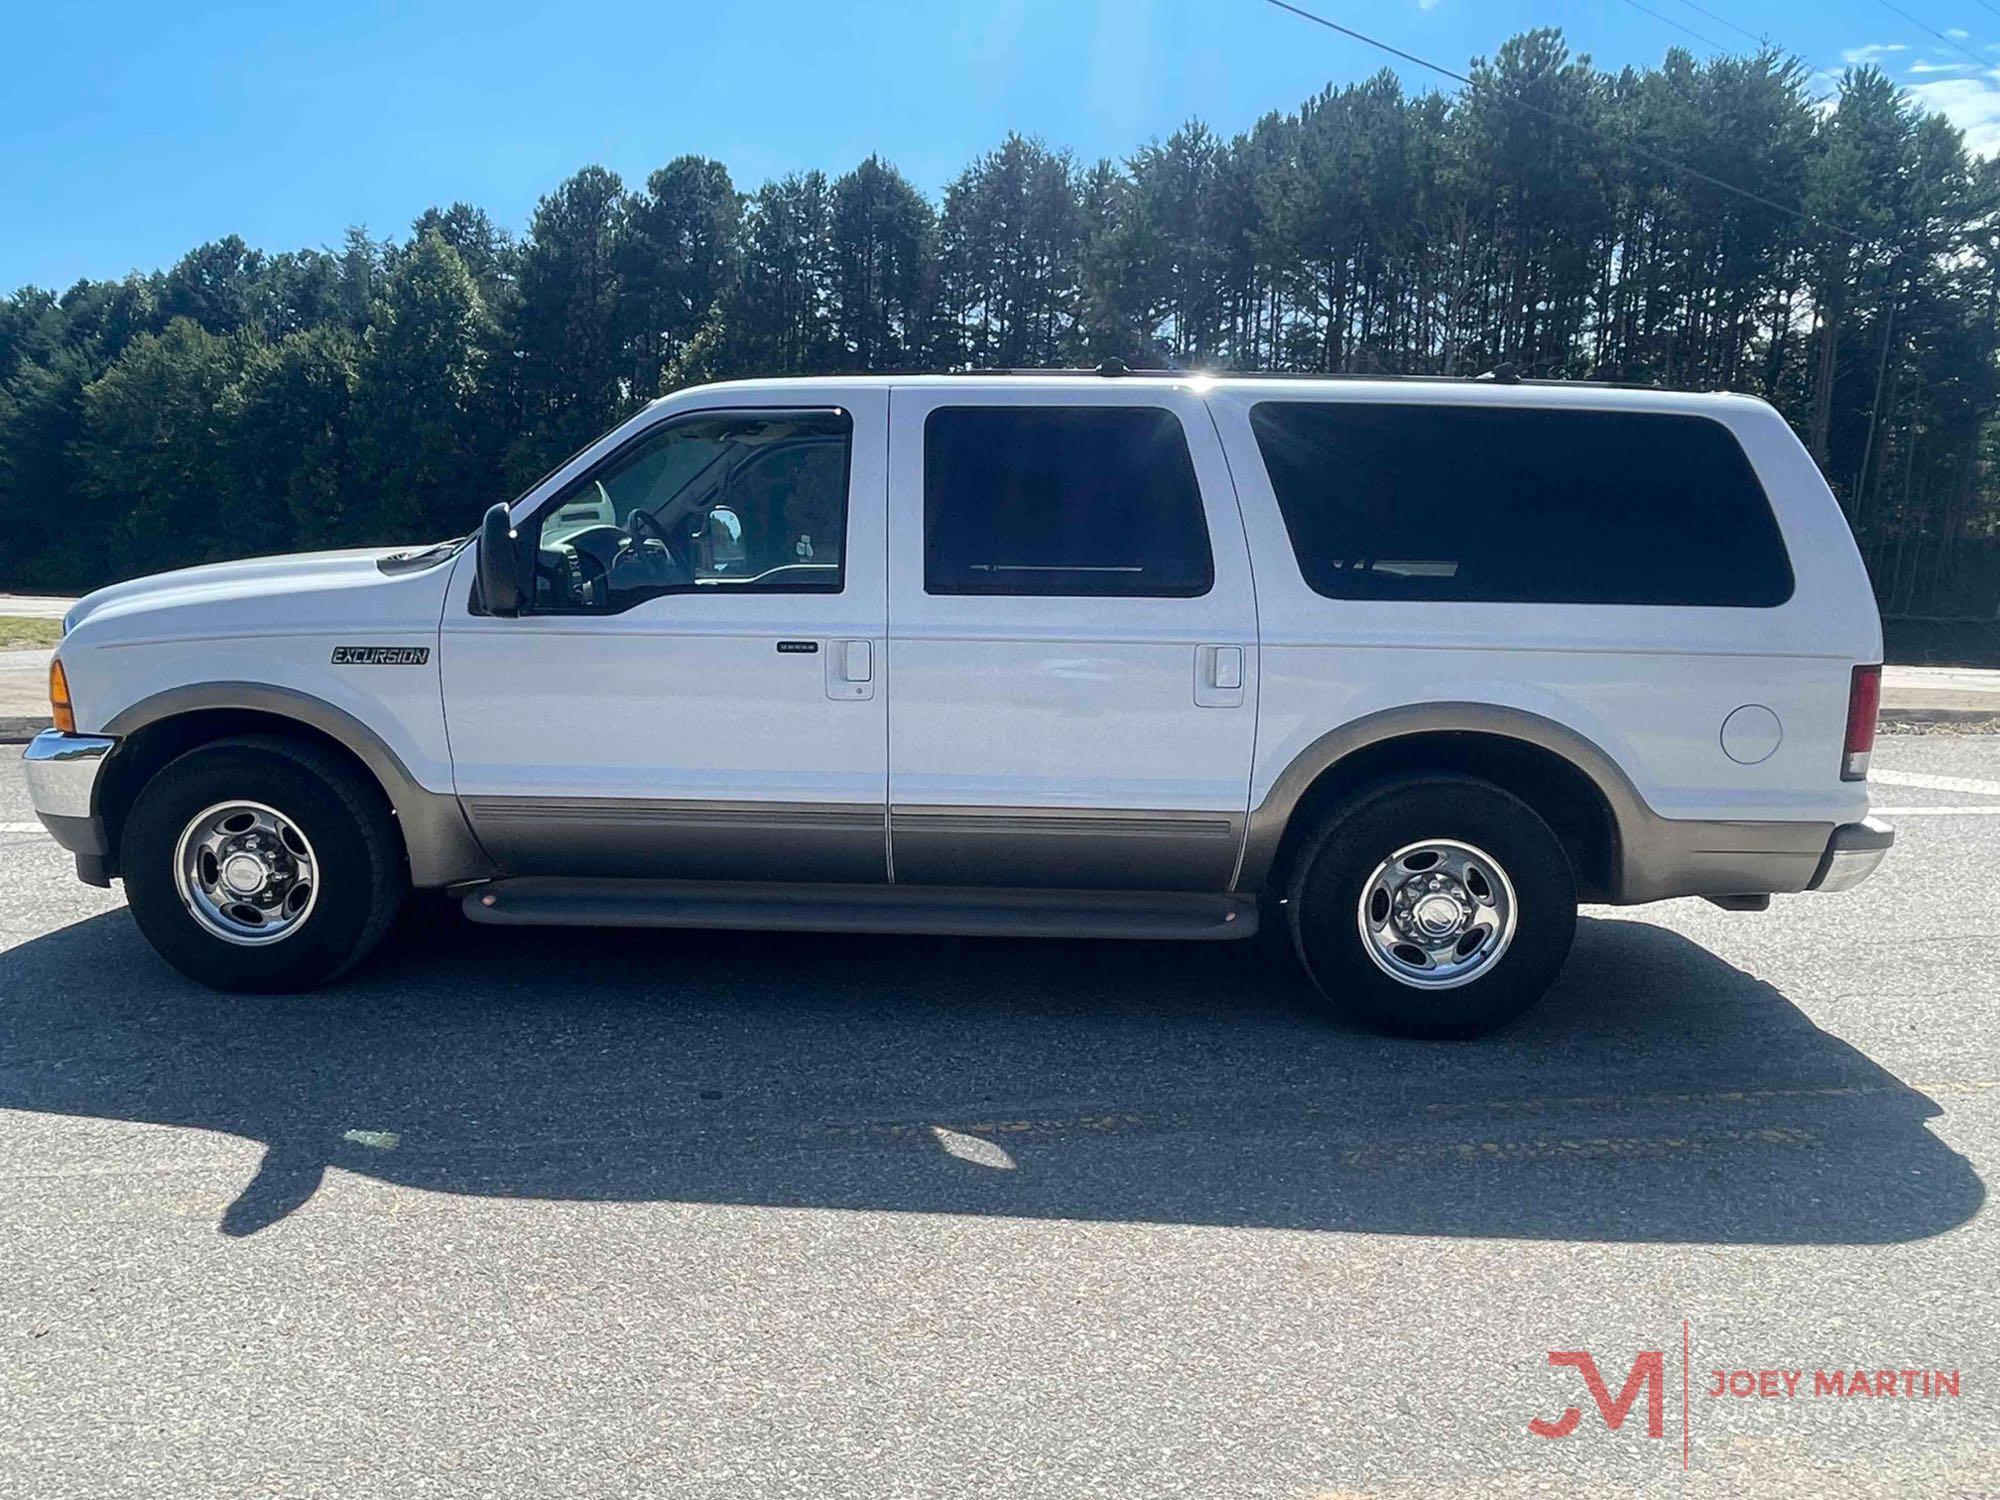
(1056, 847)
(682, 838)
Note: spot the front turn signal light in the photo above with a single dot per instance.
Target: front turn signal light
(60, 709)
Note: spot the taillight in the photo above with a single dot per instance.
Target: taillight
(60, 713)
(1864, 702)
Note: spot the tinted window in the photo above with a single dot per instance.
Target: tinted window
(1521, 506)
(733, 502)
(1089, 500)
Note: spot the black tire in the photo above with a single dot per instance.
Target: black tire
(1329, 877)
(344, 817)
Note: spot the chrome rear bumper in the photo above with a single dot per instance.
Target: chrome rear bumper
(1852, 855)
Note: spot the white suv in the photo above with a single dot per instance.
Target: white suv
(1410, 667)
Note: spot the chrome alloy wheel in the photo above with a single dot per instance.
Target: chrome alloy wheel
(246, 873)
(1437, 914)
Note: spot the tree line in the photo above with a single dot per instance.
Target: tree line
(1573, 221)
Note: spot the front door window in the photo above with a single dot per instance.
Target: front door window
(741, 501)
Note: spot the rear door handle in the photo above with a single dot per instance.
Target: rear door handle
(1218, 676)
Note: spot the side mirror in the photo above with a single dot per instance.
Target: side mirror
(499, 563)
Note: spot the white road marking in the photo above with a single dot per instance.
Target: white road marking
(1937, 812)
(20, 828)
(1937, 783)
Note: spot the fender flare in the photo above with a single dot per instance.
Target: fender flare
(439, 842)
(1630, 816)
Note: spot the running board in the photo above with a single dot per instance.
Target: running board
(535, 901)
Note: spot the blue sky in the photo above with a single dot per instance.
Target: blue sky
(133, 131)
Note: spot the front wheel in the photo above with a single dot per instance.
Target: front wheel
(1433, 905)
(261, 864)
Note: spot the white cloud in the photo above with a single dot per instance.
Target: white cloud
(1965, 93)
(1972, 104)
(1429, 4)
(1958, 33)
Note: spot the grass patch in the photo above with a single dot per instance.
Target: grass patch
(25, 633)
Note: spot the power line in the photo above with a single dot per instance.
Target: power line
(1706, 41)
(1762, 41)
(1570, 122)
(1984, 62)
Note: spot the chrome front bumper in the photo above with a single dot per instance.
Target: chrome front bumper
(1852, 855)
(62, 777)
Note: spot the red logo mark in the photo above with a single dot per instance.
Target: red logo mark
(1649, 1372)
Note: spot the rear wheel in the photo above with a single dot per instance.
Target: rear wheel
(261, 864)
(1433, 905)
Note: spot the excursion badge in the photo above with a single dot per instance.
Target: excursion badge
(381, 656)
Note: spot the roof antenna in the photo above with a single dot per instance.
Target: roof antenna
(1114, 366)
(1503, 373)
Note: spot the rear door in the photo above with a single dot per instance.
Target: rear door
(1073, 639)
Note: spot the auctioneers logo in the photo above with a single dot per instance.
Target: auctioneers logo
(1647, 1379)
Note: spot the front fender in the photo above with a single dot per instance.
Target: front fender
(441, 848)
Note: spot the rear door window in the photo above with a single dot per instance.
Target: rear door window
(1062, 500)
(1523, 506)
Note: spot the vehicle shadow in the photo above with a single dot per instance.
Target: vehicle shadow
(1658, 1094)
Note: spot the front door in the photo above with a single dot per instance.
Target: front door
(1073, 637)
(692, 690)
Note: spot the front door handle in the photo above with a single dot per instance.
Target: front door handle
(859, 665)
(850, 670)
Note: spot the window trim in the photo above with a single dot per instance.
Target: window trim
(1729, 435)
(1194, 478)
(647, 434)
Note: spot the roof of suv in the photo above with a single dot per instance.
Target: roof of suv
(1477, 390)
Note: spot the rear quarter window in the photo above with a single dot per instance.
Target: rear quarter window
(1521, 506)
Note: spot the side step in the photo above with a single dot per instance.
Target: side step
(537, 901)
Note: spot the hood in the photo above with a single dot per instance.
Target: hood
(250, 594)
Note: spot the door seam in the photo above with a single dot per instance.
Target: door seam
(1256, 695)
(888, 633)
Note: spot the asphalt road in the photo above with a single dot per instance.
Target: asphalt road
(543, 1213)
